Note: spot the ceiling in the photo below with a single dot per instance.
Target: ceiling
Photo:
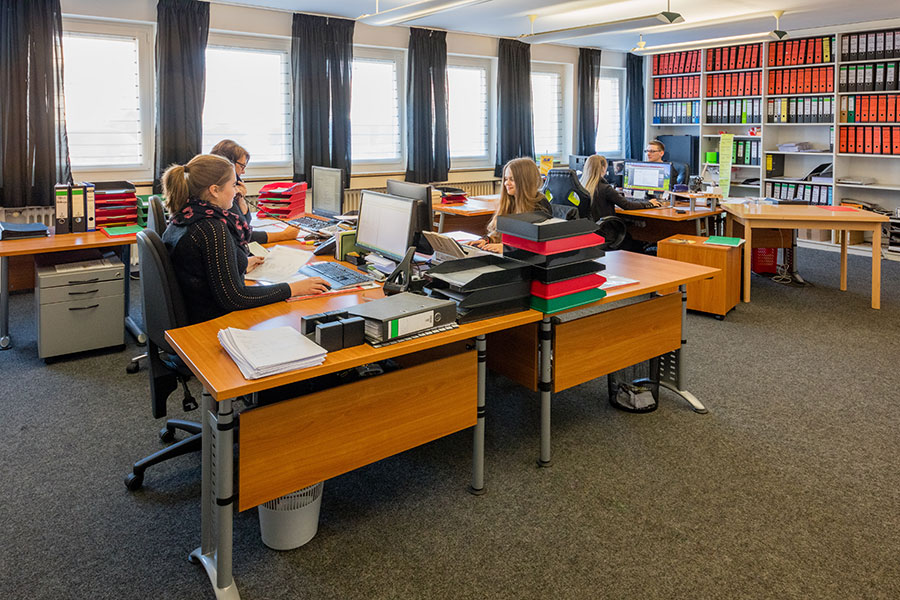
(704, 19)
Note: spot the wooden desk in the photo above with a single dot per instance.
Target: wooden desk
(665, 221)
(755, 216)
(472, 216)
(571, 347)
(289, 445)
(62, 243)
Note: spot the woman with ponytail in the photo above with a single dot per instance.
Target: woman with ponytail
(206, 242)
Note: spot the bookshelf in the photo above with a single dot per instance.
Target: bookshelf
(814, 89)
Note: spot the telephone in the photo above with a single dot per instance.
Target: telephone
(326, 246)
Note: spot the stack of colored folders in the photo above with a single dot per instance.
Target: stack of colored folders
(115, 204)
(284, 200)
(485, 285)
(143, 207)
(564, 256)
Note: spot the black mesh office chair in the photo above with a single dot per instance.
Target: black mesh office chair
(614, 230)
(561, 187)
(156, 221)
(163, 309)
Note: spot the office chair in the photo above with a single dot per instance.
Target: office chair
(614, 230)
(565, 212)
(681, 173)
(156, 221)
(561, 187)
(163, 309)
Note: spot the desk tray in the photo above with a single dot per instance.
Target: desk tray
(566, 302)
(554, 260)
(481, 297)
(477, 272)
(488, 311)
(538, 227)
(570, 271)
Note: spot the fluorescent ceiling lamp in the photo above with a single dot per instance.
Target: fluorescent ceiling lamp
(558, 35)
(776, 34)
(413, 11)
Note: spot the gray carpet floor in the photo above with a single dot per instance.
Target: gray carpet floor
(788, 488)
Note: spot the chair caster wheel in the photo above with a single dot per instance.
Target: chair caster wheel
(166, 435)
(134, 482)
(133, 367)
(720, 317)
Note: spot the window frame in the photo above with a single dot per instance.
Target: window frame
(393, 165)
(490, 65)
(565, 71)
(145, 35)
(617, 73)
(230, 40)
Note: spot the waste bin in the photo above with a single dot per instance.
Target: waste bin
(292, 520)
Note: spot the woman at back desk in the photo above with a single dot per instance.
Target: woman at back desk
(519, 194)
(605, 198)
(201, 238)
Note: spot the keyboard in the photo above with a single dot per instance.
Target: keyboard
(336, 274)
(312, 224)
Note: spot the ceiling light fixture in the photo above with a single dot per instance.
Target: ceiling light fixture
(413, 11)
(761, 36)
(640, 45)
(666, 17)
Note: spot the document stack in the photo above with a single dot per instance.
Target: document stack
(284, 200)
(270, 351)
(115, 204)
(564, 257)
(796, 147)
(483, 285)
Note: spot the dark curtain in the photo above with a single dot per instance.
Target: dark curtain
(182, 30)
(634, 106)
(515, 130)
(34, 150)
(588, 80)
(428, 152)
(321, 65)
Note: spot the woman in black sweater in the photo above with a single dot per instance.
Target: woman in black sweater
(201, 238)
(606, 198)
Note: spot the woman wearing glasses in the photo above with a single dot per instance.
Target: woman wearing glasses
(239, 157)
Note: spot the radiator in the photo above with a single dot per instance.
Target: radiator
(29, 214)
(472, 188)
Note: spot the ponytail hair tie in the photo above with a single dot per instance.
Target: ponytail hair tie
(186, 169)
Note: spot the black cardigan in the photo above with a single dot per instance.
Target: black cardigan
(606, 198)
(255, 236)
(210, 268)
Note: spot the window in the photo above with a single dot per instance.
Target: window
(610, 100)
(469, 117)
(108, 87)
(547, 110)
(248, 99)
(376, 111)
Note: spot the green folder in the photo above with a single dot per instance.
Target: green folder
(553, 305)
(121, 230)
(720, 240)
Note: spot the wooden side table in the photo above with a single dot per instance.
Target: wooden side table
(722, 292)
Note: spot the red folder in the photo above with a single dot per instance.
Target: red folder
(779, 81)
(553, 246)
(754, 56)
(754, 79)
(794, 51)
(862, 109)
(886, 140)
(802, 52)
(895, 133)
(876, 140)
(807, 80)
(829, 79)
(792, 81)
(873, 109)
(772, 82)
(567, 286)
(732, 57)
(868, 145)
(772, 48)
(891, 108)
(842, 140)
(851, 139)
(818, 56)
(740, 58)
(710, 54)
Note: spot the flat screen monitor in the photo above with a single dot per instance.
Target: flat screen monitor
(647, 176)
(615, 171)
(385, 224)
(327, 192)
(576, 163)
(421, 197)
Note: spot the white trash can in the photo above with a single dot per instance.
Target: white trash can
(292, 520)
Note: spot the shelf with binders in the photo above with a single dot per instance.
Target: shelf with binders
(694, 73)
(677, 63)
(866, 92)
(819, 64)
(801, 52)
(869, 139)
(866, 46)
(734, 59)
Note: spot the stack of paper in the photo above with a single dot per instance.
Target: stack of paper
(281, 264)
(270, 351)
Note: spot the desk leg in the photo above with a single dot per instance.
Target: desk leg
(876, 266)
(729, 226)
(5, 341)
(217, 497)
(698, 226)
(844, 260)
(545, 385)
(130, 325)
(477, 487)
(748, 258)
(669, 368)
(440, 223)
(795, 275)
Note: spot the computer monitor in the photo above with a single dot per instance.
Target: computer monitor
(327, 192)
(615, 171)
(421, 197)
(647, 176)
(576, 163)
(386, 224)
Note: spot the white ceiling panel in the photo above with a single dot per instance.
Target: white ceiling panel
(704, 19)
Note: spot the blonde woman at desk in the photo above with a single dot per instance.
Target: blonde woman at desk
(593, 172)
(201, 239)
(239, 157)
(519, 194)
